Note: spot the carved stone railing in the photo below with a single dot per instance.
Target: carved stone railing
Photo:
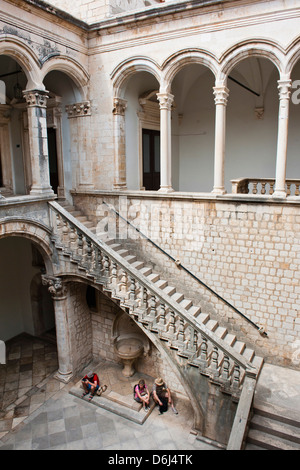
(150, 306)
(263, 186)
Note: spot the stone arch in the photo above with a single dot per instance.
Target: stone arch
(186, 57)
(129, 67)
(71, 68)
(259, 48)
(26, 58)
(293, 56)
(36, 232)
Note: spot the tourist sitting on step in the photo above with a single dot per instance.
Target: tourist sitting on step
(90, 383)
(142, 394)
(162, 396)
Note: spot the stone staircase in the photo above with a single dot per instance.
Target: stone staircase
(203, 318)
(208, 356)
(273, 428)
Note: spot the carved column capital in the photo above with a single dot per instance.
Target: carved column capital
(120, 106)
(221, 95)
(284, 87)
(36, 98)
(165, 100)
(56, 286)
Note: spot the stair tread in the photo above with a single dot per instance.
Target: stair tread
(260, 438)
(275, 427)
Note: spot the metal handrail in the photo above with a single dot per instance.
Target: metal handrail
(178, 263)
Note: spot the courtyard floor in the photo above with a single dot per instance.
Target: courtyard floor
(39, 412)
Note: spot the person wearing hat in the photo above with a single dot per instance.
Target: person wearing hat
(162, 396)
(90, 383)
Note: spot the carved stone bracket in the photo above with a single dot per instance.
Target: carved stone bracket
(119, 106)
(79, 109)
(56, 286)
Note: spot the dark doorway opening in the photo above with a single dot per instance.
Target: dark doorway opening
(151, 159)
(52, 153)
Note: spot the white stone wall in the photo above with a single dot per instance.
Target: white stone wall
(247, 252)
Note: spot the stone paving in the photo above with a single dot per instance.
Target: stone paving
(41, 414)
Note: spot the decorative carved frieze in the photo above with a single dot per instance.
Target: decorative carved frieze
(79, 109)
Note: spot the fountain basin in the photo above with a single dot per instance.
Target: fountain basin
(128, 350)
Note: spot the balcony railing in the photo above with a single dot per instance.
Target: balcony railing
(263, 186)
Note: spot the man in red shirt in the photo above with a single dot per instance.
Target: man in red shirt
(90, 383)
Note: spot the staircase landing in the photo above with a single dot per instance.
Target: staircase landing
(118, 398)
(276, 420)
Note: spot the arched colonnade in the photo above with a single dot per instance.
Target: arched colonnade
(283, 61)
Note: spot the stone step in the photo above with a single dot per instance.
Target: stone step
(130, 258)
(270, 442)
(194, 311)
(112, 405)
(153, 277)
(186, 303)
(177, 297)
(169, 290)
(276, 428)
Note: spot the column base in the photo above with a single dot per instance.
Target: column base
(279, 194)
(166, 189)
(65, 378)
(218, 190)
(39, 191)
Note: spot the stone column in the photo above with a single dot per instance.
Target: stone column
(119, 144)
(5, 154)
(58, 291)
(221, 95)
(82, 151)
(284, 87)
(165, 102)
(38, 142)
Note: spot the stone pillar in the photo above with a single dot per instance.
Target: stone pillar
(58, 291)
(221, 95)
(5, 155)
(82, 151)
(38, 142)
(165, 102)
(119, 144)
(284, 87)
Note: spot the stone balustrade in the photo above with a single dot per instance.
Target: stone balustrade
(263, 186)
(150, 307)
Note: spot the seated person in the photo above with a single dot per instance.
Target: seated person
(90, 383)
(142, 395)
(162, 396)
